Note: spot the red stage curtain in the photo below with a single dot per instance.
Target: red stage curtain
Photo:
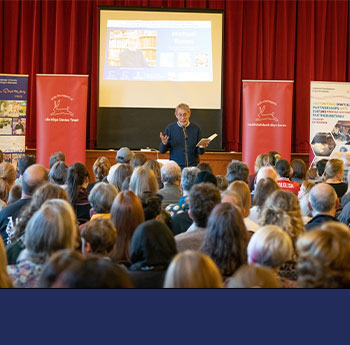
(277, 39)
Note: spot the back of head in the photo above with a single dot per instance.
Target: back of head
(188, 177)
(5, 280)
(139, 159)
(270, 246)
(323, 198)
(101, 234)
(76, 177)
(251, 276)
(226, 238)
(262, 160)
(324, 257)
(101, 167)
(299, 168)
(242, 189)
(58, 173)
(101, 197)
(202, 199)
(274, 157)
(121, 172)
(237, 171)
(264, 188)
(233, 198)
(192, 269)
(154, 165)
(33, 177)
(170, 172)
(152, 246)
(222, 183)
(24, 162)
(205, 176)
(124, 155)
(152, 205)
(52, 227)
(283, 168)
(266, 172)
(15, 193)
(334, 169)
(321, 165)
(7, 179)
(205, 167)
(142, 180)
(56, 157)
(94, 273)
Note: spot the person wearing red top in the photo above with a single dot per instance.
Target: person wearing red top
(284, 170)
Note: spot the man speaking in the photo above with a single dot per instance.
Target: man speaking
(181, 138)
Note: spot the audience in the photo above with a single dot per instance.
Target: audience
(237, 171)
(138, 160)
(23, 163)
(154, 165)
(333, 175)
(204, 167)
(192, 270)
(143, 179)
(5, 280)
(284, 171)
(299, 171)
(119, 174)
(57, 157)
(101, 169)
(7, 181)
(222, 183)
(303, 197)
(124, 155)
(58, 174)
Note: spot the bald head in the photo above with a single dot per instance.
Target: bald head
(323, 199)
(266, 172)
(33, 177)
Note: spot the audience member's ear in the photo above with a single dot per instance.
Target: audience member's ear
(190, 214)
(87, 248)
(309, 206)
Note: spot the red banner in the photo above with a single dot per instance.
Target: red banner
(61, 117)
(267, 119)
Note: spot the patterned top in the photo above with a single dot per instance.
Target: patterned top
(177, 208)
(25, 274)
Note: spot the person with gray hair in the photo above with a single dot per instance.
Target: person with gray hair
(52, 227)
(272, 247)
(171, 177)
(56, 157)
(324, 202)
(188, 177)
(237, 171)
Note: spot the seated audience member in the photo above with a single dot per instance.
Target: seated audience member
(303, 197)
(266, 172)
(284, 170)
(98, 237)
(271, 246)
(51, 228)
(252, 276)
(126, 215)
(324, 202)
(15, 194)
(142, 180)
(101, 169)
(93, 273)
(182, 221)
(321, 166)
(274, 157)
(138, 160)
(226, 238)
(126, 184)
(121, 172)
(151, 251)
(237, 171)
(5, 280)
(202, 199)
(299, 171)
(101, 199)
(205, 167)
(171, 177)
(264, 188)
(33, 177)
(324, 257)
(192, 270)
(233, 198)
(124, 155)
(262, 160)
(77, 182)
(7, 181)
(312, 175)
(154, 165)
(242, 189)
(56, 157)
(333, 175)
(43, 193)
(58, 262)
(58, 174)
(22, 164)
(222, 183)
(152, 205)
(188, 177)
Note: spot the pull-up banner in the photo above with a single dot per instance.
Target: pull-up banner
(267, 119)
(13, 110)
(61, 117)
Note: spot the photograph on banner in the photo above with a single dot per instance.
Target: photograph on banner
(19, 126)
(13, 108)
(330, 122)
(12, 143)
(5, 126)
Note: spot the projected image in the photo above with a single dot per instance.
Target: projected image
(158, 51)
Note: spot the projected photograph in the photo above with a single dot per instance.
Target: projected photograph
(158, 50)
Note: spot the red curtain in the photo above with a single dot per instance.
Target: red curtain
(274, 40)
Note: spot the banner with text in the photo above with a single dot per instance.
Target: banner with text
(13, 112)
(267, 119)
(61, 117)
(330, 121)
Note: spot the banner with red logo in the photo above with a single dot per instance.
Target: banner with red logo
(267, 119)
(61, 117)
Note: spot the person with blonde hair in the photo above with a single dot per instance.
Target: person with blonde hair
(142, 180)
(52, 227)
(333, 175)
(324, 257)
(262, 160)
(5, 280)
(7, 180)
(154, 165)
(303, 197)
(192, 269)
